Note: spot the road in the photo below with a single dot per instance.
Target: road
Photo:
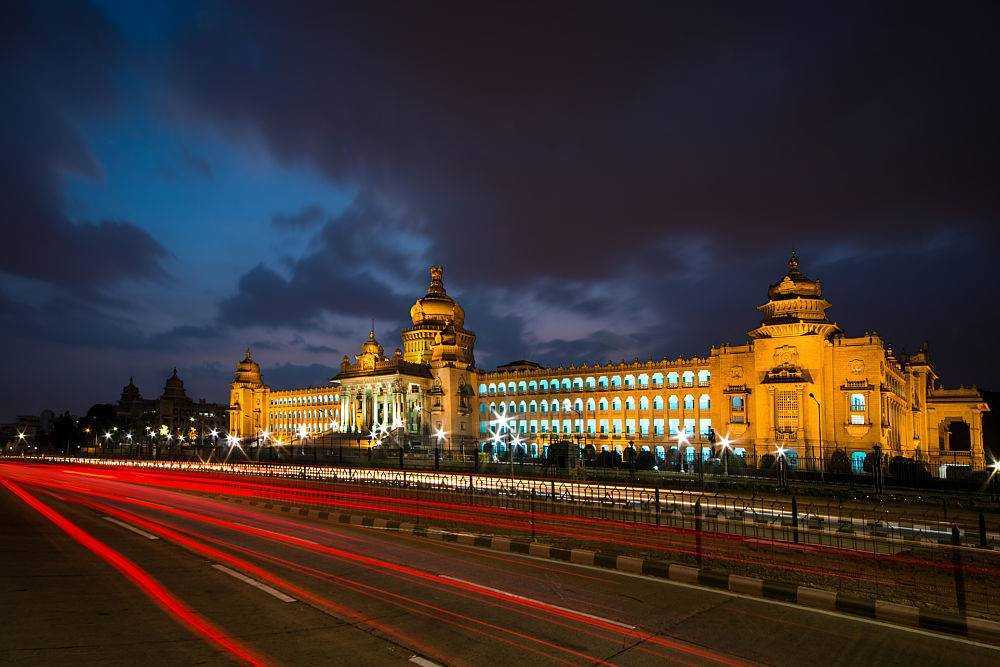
(224, 582)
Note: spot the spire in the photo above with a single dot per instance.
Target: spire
(249, 356)
(793, 265)
(437, 280)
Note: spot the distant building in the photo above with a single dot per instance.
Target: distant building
(173, 410)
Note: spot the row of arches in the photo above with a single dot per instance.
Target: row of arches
(616, 404)
(701, 378)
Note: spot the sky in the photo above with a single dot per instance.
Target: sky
(601, 181)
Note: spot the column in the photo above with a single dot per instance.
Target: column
(386, 412)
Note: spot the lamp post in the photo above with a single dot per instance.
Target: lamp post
(725, 444)
(819, 417)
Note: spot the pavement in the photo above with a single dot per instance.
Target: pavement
(296, 590)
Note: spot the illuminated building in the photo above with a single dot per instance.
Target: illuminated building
(425, 387)
(796, 374)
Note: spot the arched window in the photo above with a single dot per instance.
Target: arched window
(545, 407)
(616, 382)
(578, 405)
(493, 408)
(689, 402)
(643, 403)
(688, 378)
(591, 406)
(602, 382)
(616, 403)
(533, 387)
(603, 405)
(657, 402)
(577, 383)
(704, 402)
(511, 388)
(673, 403)
(630, 382)
(555, 406)
(629, 403)
(501, 389)
(643, 381)
(590, 382)
(543, 385)
(704, 378)
(522, 386)
(857, 402)
(482, 408)
(533, 407)
(566, 384)
(672, 379)
(554, 384)
(737, 403)
(522, 407)
(657, 379)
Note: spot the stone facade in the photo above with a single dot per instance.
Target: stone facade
(423, 392)
(799, 382)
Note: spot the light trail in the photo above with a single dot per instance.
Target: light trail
(155, 591)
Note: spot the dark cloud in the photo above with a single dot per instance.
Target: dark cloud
(290, 376)
(356, 265)
(307, 218)
(524, 131)
(61, 59)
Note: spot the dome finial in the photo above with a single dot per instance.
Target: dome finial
(793, 263)
(371, 334)
(437, 280)
(249, 356)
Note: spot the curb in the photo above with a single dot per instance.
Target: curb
(817, 598)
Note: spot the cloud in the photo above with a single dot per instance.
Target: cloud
(72, 75)
(307, 217)
(801, 125)
(359, 264)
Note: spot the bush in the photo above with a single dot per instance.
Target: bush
(839, 463)
(903, 468)
(767, 461)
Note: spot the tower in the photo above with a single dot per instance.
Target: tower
(249, 399)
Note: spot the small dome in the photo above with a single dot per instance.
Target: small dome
(174, 387)
(372, 346)
(436, 307)
(130, 392)
(247, 370)
(795, 283)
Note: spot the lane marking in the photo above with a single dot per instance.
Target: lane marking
(128, 526)
(253, 582)
(542, 602)
(423, 662)
(782, 603)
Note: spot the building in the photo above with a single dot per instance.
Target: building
(798, 382)
(173, 412)
(423, 391)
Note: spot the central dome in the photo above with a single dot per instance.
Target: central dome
(436, 307)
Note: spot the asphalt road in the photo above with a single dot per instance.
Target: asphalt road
(238, 581)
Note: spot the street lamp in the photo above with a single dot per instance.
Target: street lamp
(726, 445)
(503, 421)
(819, 416)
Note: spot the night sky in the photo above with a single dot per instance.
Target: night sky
(179, 181)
